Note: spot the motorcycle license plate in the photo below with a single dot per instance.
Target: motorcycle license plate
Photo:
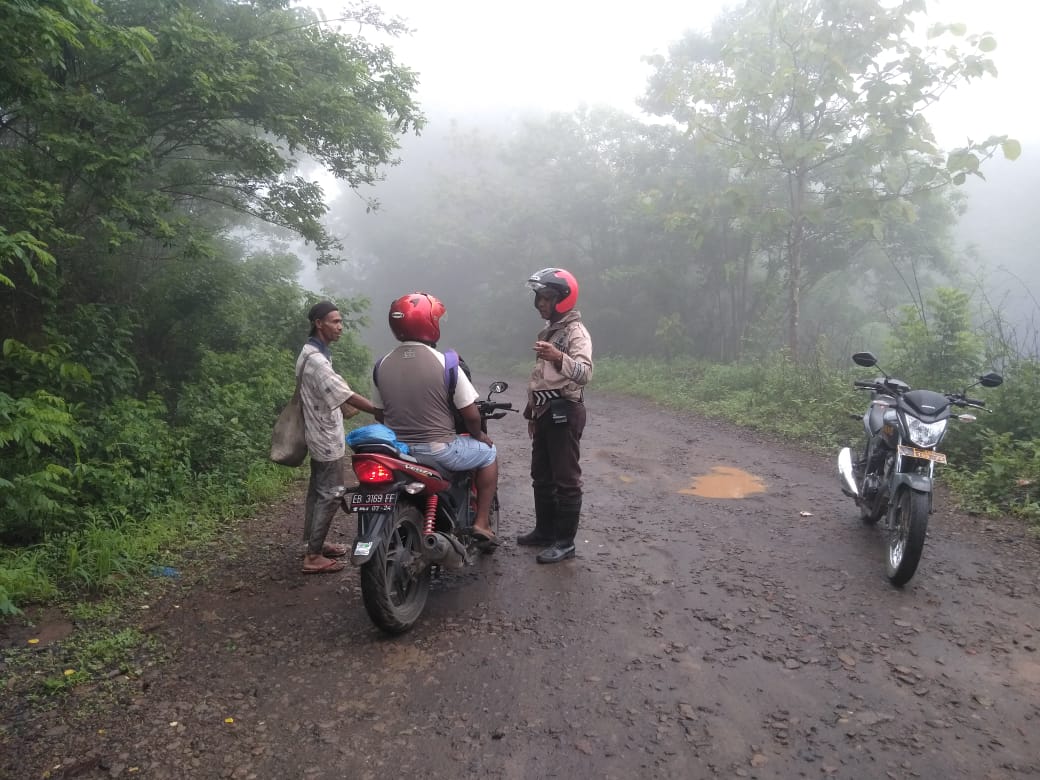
(370, 501)
(913, 452)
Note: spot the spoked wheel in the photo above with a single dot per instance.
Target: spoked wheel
(906, 536)
(396, 580)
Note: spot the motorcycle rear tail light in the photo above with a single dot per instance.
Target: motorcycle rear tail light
(369, 471)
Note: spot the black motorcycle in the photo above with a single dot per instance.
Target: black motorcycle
(892, 477)
(412, 518)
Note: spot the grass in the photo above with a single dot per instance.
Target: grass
(809, 406)
(113, 553)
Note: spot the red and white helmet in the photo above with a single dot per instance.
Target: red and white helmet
(416, 317)
(560, 281)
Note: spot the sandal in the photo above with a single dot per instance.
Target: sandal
(487, 541)
(328, 566)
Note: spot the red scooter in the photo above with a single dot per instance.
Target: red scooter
(412, 517)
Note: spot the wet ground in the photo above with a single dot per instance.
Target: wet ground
(695, 635)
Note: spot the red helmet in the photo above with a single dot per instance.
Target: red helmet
(560, 281)
(416, 316)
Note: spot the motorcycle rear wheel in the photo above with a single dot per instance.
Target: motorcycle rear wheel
(395, 582)
(906, 536)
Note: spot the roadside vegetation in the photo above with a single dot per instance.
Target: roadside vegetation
(150, 190)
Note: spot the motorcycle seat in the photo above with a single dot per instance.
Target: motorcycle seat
(381, 448)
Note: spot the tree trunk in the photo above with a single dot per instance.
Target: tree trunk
(795, 240)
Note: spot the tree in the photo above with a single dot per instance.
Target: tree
(823, 101)
(132, 130)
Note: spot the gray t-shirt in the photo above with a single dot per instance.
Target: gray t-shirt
(413, 395)
(322, 393)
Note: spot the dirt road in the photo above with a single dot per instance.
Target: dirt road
(692, 637)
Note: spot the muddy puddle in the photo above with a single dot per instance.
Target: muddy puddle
(725, 482)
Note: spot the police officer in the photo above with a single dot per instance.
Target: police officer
(556, 414)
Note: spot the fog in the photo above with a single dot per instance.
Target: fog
(486, 68)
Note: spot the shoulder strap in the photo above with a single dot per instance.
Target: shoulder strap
(375, 371)
(451, 372)
(303, 367)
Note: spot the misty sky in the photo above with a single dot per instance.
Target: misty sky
(476, 56)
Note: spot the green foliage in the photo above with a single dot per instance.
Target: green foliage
(134, 459)
(108, 552)
(23, 579)
(936, 346)
(156, 106)
(26, 370)
(1006, 477)
(101, 338)
(34, 492)
(832, 149)
(239, 394)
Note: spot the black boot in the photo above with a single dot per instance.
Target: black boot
(567, 516)
(559, 551)
(544, 520)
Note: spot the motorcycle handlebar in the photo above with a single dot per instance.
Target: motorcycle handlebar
(489, 410)
(963, 400)
(863, 384)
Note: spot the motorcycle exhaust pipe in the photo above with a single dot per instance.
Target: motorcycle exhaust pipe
(848, 477)
(444, 551)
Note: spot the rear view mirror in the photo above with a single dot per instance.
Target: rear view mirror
(865, 359)
(991, 380)
(497, 387)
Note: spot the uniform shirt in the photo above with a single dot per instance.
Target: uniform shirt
(322, 393)
(411, 391)
(570, 336)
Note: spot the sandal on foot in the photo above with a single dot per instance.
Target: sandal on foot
(487, 541)
(328, 566)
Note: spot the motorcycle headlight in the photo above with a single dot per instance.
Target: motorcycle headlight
(925, 434)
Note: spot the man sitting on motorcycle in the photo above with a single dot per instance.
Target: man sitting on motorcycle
(410, 394)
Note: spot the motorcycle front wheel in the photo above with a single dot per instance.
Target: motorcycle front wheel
(906, 536)
(396, 580)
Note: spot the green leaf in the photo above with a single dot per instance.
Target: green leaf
(1011, 149)
(987, 44)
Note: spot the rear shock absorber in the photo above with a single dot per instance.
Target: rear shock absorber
(431, 513)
